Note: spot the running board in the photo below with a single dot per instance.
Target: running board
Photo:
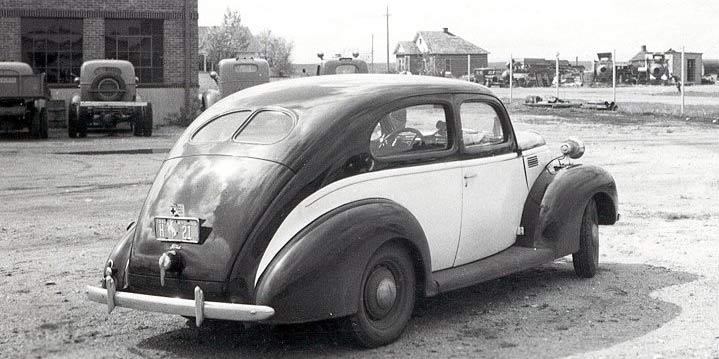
(511, 260)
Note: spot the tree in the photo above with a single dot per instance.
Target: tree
(277, 51)
(227, 40)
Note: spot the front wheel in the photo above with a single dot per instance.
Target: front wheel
(586, 260)
(72, 121)
(386, 299)
(43, 123)
(147, 121)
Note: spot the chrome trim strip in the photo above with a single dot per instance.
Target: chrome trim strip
(185, 307)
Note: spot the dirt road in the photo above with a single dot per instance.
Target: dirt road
(66, 202)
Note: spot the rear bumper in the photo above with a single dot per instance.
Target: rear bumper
(112, 104)
(197, 308)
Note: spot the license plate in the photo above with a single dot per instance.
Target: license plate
(8, 80)
(177, 229)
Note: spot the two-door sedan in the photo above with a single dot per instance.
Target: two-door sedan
(348, 197)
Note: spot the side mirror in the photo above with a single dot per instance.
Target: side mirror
(76, 80)
(213, 75)
(572, 148)
(137, 79)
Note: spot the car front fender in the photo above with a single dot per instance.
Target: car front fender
(553, 210)
(318, 274)
(209, 98)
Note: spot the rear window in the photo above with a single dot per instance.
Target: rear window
(266, 127)
(222, 128)
(245, 68)
(345, 69)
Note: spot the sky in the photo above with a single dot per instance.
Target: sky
(522, 28)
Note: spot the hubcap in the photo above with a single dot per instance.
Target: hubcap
(386, 293)
(380, 293)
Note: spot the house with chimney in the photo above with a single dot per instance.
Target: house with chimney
(439, 53)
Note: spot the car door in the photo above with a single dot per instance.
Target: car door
(494, 184)
(415, 150)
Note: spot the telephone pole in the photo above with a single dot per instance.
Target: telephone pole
(387, 17)
(372, 65)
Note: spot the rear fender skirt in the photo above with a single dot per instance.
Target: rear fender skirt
(317, 275)
(553, 211)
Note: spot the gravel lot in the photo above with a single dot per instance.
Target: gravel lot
(66, 202)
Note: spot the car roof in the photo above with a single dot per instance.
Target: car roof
(333, 95)
(20, 68)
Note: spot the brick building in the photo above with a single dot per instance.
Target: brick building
(439, 53)
(56, 36)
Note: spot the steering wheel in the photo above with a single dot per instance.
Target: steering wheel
(394, 142)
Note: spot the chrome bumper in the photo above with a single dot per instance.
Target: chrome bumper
(197, 308)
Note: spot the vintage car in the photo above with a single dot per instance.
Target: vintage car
(342, 66)
(235, 75)
(108, 97)
(348, 197)
(23, 99)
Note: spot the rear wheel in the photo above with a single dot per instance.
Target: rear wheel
(72, 121)
(138, 123)
(34, 123)
(586, 260)
(147, 121)
(386, 298)
(82, 117)
(43, 123)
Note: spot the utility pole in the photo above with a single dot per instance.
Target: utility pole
(614, 76)
(557, 72)
(372, 56)
(387, 17)
(511, 75)
(681, 84)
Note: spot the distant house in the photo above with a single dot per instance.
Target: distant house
(438, 53)
(672, 61)
(252, 49)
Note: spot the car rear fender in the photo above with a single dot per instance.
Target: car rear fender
(553, 210)
(317, 275)
(209, 97)
(120, 257)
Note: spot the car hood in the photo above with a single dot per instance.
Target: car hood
(228, 194)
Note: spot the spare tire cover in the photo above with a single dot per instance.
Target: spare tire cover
(107, 86)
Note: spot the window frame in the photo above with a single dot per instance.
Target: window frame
(156, 38)
(486, 150)
(444, 100)
(52, 39)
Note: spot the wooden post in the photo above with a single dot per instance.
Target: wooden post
(469, 62)
(556, 68)
(387, 15)
(511, 76)
(614, 75)
(682, 83)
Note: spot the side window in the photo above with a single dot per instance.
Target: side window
(410, 130)
(480, 125)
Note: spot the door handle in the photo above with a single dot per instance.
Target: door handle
(470, 175)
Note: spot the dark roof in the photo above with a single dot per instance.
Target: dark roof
(329, 96)
(447, 43)
(406, 48)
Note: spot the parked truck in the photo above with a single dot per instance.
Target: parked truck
(23, 96)
(108, 97)
(235, 75)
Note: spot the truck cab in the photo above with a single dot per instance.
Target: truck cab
(235, 75)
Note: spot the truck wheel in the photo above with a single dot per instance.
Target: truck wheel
(586, 260)
(72, 121)
(43, 123)
(386, 299)
(34, 123)
(147, 121)
(138, 124)
(82, 122)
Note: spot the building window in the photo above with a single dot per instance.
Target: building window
(53, 46)
(137, 41)
(448, 65)
(691, 70)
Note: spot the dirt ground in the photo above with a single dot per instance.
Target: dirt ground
(66, 202)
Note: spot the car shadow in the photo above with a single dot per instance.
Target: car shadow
(545, 312)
